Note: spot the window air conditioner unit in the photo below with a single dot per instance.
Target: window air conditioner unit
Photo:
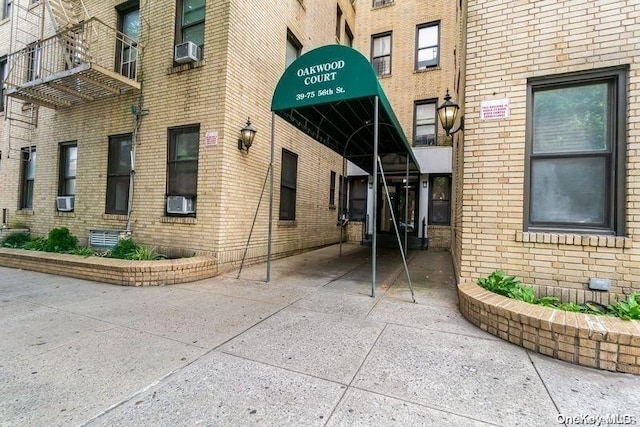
(65, 203)
(179, 205)
(187, 52)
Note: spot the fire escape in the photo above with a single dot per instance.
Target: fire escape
(60, 58)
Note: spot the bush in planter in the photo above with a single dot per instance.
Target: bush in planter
(61, 240)
(15, 240)
(122, 250)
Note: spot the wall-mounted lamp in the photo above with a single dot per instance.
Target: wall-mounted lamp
(425, 184)
(247, 134)
(448, 113)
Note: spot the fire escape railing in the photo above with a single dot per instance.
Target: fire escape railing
(90, 42)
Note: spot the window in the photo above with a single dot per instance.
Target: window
(342, 196)
(127, 47)
(28, 176)
(294, 47)
(381, 54)
(377, 3)
(33, 61)
(190, 22)
(338, 22)
(358, 199)
(3, 77)
(182, 162)
(574, 177)
(332, 189)
(424, 130)
(439, 199)
(427, 40)
(6, 8)
(118, 174)
(68, 163)
(288, 179)
(349, 35)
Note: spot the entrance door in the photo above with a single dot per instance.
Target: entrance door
(399, 200)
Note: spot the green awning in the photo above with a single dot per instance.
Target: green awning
(329, 94)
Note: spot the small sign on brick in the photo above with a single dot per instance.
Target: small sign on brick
(211, 138)
(495, 109)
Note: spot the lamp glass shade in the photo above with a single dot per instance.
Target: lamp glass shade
(247, 134)
(447, 113)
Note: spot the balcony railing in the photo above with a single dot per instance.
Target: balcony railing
(89, 61)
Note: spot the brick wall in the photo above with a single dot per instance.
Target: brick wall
(509, 42)
(234, 81)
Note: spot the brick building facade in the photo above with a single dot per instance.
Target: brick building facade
(184, 119)
(550, 191)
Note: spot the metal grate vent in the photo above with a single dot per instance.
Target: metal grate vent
(103, 238)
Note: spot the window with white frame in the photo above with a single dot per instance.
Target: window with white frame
(427, 46)
(381, 54)
(67, 169)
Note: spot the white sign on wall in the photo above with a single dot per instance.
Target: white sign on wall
(495, 109)
(211, 138)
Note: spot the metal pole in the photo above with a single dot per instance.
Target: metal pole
(340, 207)
(406, 207)
(273, 138)
(374, 241)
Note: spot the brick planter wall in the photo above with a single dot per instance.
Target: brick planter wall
(585, 339)
(116, 271)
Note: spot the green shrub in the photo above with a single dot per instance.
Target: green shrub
(15, 240)
(37, 244)
(85, 252)
(122, 250)
(61, 240)
(629, 309)
(143, 253)
(499, 283)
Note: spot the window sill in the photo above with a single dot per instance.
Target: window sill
(302, 5)
(426, 70)
(4, 21)
(287, 223)
(114, 217)
(332, 207)
(383, 6)
(620, 242)
(179, 220)
(60, 214)
(25, 212)
(35, 4)
(384, 76)
(178, 69)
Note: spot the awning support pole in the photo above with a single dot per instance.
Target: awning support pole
(273, 139)
(374, 241)
(253, 224)
(406, 208)
(340, 207)
(395, 226)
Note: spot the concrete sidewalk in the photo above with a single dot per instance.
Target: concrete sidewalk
(310, 348)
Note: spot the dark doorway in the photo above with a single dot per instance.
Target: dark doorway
(399, 199)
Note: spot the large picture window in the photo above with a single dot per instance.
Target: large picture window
(575, 149)
(118, 174)
(381, 54)
(182, 162)
(288, 185)
(68, 167)
(28, 177)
